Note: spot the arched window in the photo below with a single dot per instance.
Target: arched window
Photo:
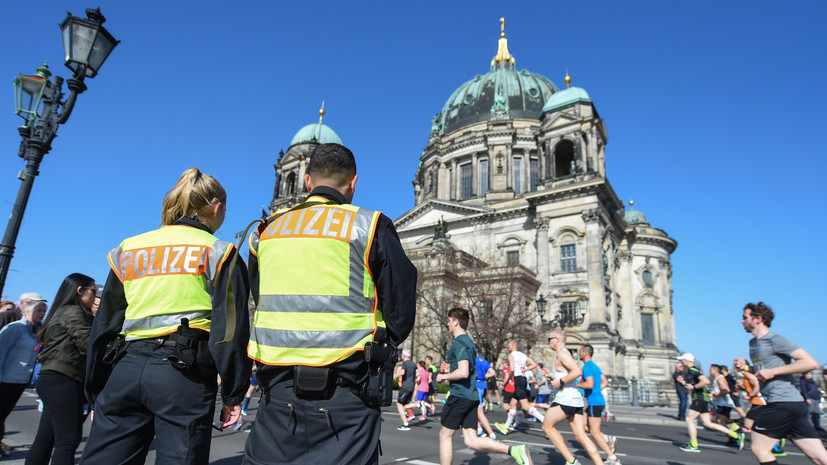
(290, 184)
(563, 159)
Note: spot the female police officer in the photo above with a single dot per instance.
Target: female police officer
(172, 316)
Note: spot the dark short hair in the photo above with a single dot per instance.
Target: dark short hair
(461, 315)
(715, 366)
(589, 349)
(763, 310)
(332, 161)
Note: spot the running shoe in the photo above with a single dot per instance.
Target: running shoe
(734, 426)
(4, 446)
(690, 448)
(244, 411)
(521, 455)
(480, 433)
(612, 441)
(501, 428)
(423, 417)
(742, 438)
(512, 428)
(238, 424)
(576, 462)
(410, 416)
(404, 428)
(493, 436)
(612, 461)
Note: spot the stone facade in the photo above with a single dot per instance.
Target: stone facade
(533, 193)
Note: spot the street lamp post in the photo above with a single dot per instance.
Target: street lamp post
(566, 315)
(86, 45)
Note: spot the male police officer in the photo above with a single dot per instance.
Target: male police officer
(327, 278)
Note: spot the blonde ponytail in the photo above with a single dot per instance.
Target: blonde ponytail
(193, 192)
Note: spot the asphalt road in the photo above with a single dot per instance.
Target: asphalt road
(637, 444)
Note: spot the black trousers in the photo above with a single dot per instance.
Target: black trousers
(9, 395)
(289, 430)
(61, 423)
(147, 397)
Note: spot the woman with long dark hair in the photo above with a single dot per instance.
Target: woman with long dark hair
(65, 336)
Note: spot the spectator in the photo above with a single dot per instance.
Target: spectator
(14, 313)
(680, 390)
(65, 337)
(809, 389)
(543, 389)
(17, 358)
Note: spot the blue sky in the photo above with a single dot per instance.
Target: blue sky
(714, 112)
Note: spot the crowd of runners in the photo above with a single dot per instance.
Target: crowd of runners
(575, 392)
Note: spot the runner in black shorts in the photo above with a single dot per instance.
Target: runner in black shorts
(492, 387)
(786, 412)
(695, 381)
(460, 411)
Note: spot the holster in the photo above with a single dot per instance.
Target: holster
(114, 350)
(191, 349)
(381, 359)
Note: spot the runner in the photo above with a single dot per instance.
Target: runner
(567, 403)
(519, 364)
(720, 397)
(461, 408)
(694, 381)
(592, 376)
(433, 388)
(484, 371)
(407, 376)
(423, 385)
(786, 412)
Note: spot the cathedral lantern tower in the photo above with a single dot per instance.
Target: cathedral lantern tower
(290, 167)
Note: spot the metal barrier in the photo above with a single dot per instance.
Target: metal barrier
(642, 392)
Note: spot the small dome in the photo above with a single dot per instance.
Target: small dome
(566, 98)
(634, 217)
(316, 132)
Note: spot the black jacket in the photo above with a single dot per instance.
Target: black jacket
(230, 300)
(395, 279)
(65, 341)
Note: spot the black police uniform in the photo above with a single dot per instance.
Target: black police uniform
(143, 396)
(340, 429)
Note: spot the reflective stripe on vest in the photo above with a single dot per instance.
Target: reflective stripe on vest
(317, 302)
(168, 274)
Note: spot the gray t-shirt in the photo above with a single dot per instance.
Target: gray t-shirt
(409, 376)
(773, 351)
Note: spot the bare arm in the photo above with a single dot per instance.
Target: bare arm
(530, 364)
(565, 359)
(753, 381)
(723, 387)
(604, 382)
(461, 372)
(490, 373)
(803, 362)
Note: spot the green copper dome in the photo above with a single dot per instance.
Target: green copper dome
(503, 90)
(316, 132)
(566, 98)
(634, 217)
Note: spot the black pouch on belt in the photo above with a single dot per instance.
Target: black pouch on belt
(186, 339)
(312, 382)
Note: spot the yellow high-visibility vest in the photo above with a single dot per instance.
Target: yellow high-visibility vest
(317, 298)
(168, 274)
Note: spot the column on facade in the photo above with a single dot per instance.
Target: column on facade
(455, 182)
(541, 225)
(442, 181)
(594, 267)
(300, 186)
(509, 167)
(475, 170)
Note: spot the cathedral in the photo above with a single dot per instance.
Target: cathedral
(515, 219)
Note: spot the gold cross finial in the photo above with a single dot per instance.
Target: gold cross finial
(321, 112)
(502, 27)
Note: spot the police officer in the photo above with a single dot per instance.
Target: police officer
(327, 278)
(173, 316)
